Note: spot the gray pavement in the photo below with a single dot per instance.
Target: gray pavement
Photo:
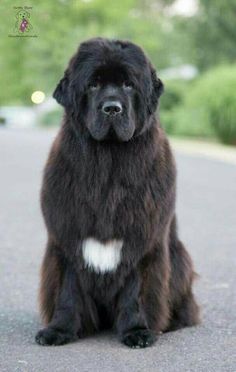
(207, 224)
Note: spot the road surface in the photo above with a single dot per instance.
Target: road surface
(207, 224)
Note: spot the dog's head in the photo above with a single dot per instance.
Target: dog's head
(110, 88)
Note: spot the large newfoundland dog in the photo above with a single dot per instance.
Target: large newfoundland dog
(113, 256)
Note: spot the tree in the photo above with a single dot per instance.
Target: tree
(29, 64)
(213, 33)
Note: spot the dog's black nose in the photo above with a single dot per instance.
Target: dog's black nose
(112, 108)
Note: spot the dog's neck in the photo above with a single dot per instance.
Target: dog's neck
(141, 143)
(99, 164)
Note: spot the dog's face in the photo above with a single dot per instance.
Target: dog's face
(111, 111)
(110, 89)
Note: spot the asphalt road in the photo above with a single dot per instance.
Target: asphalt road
(207, 222)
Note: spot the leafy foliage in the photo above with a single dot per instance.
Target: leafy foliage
(215, 94)
(174, 94)
(206, 39)
(31, 64)
(214, 33)
(208, 107)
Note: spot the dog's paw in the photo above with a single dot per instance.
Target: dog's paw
(139, 338)
(52, 336)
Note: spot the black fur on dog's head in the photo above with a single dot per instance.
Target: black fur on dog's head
(110, 89)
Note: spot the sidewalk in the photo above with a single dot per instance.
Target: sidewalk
(206, 207)
(207, 149)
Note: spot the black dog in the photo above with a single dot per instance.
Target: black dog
(113, 257)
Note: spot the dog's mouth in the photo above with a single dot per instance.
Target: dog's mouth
(113, 137)
(113, 134)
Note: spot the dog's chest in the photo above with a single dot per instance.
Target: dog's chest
(102, 257)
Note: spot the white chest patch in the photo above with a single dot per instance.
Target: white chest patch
(102, 257)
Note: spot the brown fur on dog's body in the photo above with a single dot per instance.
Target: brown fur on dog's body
(113, 190)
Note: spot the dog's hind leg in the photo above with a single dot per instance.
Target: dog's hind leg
(184, 309)
(51, 275)
(185, 314)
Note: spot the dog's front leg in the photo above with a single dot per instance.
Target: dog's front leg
(131, 323)
(65, 322)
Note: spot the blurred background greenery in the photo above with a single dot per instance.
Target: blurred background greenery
(192, 43)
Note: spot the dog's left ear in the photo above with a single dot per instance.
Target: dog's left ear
(61, 93)
(157, 90)
(28, 14)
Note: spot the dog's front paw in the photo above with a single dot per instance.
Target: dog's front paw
(139, 338)
(52, 336)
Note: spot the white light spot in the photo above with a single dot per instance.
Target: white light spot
(38, 97)
(183, 7)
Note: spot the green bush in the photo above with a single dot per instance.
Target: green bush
(178, 116)
(2, 120)
(214, 95)
(182, 121)
(207, 107)
(52, 118)
(173, 94)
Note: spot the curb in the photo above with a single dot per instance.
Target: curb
(215, 151)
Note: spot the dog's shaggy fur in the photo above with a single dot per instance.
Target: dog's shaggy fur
(113, 257)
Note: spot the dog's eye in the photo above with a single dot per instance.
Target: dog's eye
(94, 85)
(127, 85)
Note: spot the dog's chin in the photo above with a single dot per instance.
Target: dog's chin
(113, 137)
(110, 135)
(109, 139)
